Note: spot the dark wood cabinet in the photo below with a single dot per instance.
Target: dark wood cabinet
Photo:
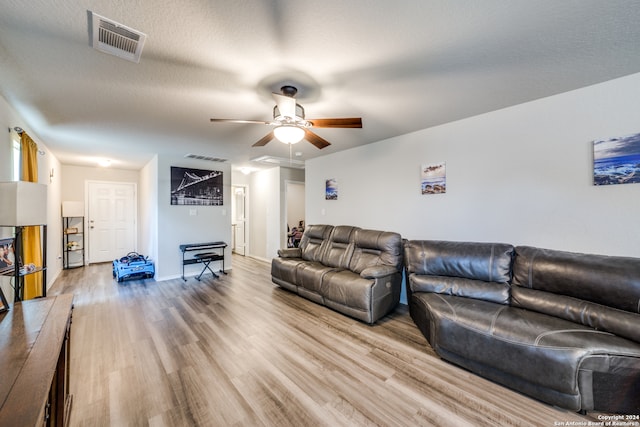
(34, 362)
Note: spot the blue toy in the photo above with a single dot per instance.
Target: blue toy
(133, 266)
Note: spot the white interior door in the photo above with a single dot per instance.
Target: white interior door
(239, 221)
(111, 220)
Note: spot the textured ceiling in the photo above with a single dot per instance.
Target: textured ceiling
(401, 66)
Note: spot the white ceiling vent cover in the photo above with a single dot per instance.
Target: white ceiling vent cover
(201, 157)
(115, 39)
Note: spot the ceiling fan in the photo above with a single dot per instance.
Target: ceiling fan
(290, 123)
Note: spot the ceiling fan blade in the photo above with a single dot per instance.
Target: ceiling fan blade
(259, 122)
(265, 140)
(352, 122)
(286, 105)
(315, 139)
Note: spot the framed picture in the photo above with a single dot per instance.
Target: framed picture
(433, 178)
(331, 189)
(7, 255)
(4, 306)
(617, 160)
(199, 187)
(7, 265)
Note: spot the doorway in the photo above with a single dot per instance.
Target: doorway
(111, 220)
(239, 220)
(295, 214)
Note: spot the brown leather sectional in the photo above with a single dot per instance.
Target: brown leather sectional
(561, 327)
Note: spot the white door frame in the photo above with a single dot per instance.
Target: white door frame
(86, 218)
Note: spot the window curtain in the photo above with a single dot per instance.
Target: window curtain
(31, 243)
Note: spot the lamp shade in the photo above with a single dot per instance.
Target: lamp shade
(72, 209)
(23, 203)
(289, 134)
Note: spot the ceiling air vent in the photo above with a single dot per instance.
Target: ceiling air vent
(208, 158)
(115, 39)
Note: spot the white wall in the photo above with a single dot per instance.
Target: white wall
(47, 162)
(8, 120)
(267, 209)
(287, 175)
(176, 226)
(74, 178)
(295, 203)
(521, 175)
(264, 214)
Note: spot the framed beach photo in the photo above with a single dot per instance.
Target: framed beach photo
(617, 160)
(331, 189)
(433, 178)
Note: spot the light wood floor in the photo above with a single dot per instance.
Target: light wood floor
(240, 351)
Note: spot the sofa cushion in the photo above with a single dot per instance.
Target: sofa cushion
(285, 268)
(602, 292)
(488, 291)
(607, 280)
(348, 289)
(372, 247)
(489, 262)
(311, 245)
(360, 298)
(309, 275)
(336, 253)
(596, 316)
(339, 247)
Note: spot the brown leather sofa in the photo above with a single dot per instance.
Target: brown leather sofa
(354, 271)
(558, 326)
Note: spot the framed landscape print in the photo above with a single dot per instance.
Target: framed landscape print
(617, 160)
(196, 187)
(331, 190)
(434, 178)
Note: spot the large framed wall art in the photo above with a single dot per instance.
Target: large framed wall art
(199, 187)
(617, 160)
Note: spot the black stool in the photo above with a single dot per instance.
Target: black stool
(206, 258)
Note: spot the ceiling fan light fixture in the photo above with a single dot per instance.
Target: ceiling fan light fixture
(289, 134)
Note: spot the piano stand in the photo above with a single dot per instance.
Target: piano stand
(206, 258)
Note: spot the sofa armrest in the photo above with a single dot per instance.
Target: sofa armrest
(377, 271)
(290, 253)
